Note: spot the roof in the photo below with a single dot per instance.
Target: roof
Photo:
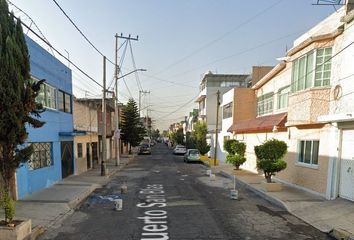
(279, 67)
(260, 124)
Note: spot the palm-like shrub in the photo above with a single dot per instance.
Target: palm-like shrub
(269, 157)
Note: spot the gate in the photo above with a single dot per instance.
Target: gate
(67, 165)
(346, 184)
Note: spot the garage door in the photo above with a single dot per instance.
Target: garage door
(346, 184)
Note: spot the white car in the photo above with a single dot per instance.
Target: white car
(180, 149)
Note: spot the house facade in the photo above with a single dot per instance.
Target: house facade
(307, 101)
(238, 104)
(207, 101)
(86, 137)
(53, 157)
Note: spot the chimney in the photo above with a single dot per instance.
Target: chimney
(349, 5)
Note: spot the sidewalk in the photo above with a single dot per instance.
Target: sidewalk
(50, 206)
(335, 217)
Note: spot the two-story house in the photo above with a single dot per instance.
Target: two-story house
(52, 159)
(307, 101)
(238, 104)
(207, 98)
(266, 110)
(86, 127)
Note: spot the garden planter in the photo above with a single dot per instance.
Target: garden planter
(271, 187)
(18, 232)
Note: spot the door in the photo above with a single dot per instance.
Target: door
(95, 153)
(346, 183)
(67, 160)
(88, 155)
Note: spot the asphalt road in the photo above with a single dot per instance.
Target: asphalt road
(169, 199)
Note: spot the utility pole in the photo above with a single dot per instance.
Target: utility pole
(141, 92)
(217, 125)
(104, 122)
(116, 106)
(116, 110)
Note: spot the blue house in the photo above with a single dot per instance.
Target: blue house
(52, 159)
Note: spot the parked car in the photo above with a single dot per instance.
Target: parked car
(192, 155)
(144, 149)
(179, 149)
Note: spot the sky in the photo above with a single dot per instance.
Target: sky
(179, 40)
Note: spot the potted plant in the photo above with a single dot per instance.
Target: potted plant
(236, 152)
(270, 159)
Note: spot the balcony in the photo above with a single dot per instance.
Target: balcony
(201, 96)
(307, 105)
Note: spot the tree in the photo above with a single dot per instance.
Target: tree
(155, 134)
(132, 129)
(179, 136)
(269, 157)
(18, 106)
(199, 133)
(190, 141)
(236, 152)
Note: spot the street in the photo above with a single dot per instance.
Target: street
(169, 199)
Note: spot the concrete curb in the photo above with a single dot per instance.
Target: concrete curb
(36, 232)
(259, 192)
(338, 234)
(341, 234)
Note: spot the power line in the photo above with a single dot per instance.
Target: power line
(219, 38)
(62, 55)
(134, 65)
(236, 54)
(32, 22)
(179, 107)
(82, 34)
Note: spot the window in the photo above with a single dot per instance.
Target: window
(323, 67)
(41, 156)
(283, 95)
(231, 84)
(312, 69)
(308, 152)
(47, 96)
(265, 104)
(79, 150)
(227, 111)
(64, 101)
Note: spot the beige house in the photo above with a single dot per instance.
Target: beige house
(86, 152)
(267, 112)
(88, 133)
(303, 102)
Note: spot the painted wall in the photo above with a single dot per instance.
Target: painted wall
(45, 66)
(81, 162)
(310, 177)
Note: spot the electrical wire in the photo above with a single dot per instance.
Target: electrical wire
(82, 34)
(32, 22)
(219, 38)
(62, 55)
(134, 65)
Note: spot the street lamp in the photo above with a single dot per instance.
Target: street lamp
(116, 112)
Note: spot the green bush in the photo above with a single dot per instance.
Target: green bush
(8, 204)
(236, 160)
(269, 157)
(236, 152)
(228, 145)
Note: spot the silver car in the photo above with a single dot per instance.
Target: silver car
(192, 155)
